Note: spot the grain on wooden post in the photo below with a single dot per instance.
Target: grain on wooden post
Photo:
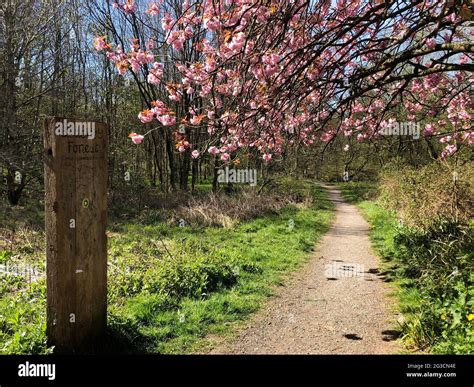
(75, 176)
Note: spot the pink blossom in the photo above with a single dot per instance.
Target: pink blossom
(135, 65)
(174, 94)
(99, 43)
(429, 129)
(152, 79)
(196, 120)
(153, 9)
(326, 137)
(195, 154)
(212, 24)
(155, 73)
(145, 116)
(129, 6)
(448, 151)
(174, 97)
(167, 120)
(136, 138)
(122, 67)
(430, 43)
(237, 42)
(468, 137)
(323, 115)
(291, 77)
(150, 44)
(167, 22)
(205, 90)
(213, 150)
(176, 40)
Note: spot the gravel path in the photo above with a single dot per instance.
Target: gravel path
(337, 304)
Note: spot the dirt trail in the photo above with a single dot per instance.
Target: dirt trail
(337, 304)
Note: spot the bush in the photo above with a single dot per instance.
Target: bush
(429, 194)
(190, 275)
(439, 263)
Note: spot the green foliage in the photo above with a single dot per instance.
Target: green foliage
(190, 275)
(169, 287)
(439, 262)
(5, 256)
(23, 321)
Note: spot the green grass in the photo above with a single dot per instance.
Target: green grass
(172, 288)
(358, 192)
(434, 302)
(251, 259)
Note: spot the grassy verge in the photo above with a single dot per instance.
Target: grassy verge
(431, 274)
(171, 287)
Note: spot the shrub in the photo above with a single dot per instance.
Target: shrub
(439, 263)
(429, 194)
(190, 275)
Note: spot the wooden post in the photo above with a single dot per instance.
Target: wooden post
(75, 175)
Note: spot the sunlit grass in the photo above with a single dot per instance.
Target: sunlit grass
(172, 287)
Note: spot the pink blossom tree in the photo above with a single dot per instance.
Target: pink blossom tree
(263, 74)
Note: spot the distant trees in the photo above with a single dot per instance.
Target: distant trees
(33, 65)
(47, 68)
